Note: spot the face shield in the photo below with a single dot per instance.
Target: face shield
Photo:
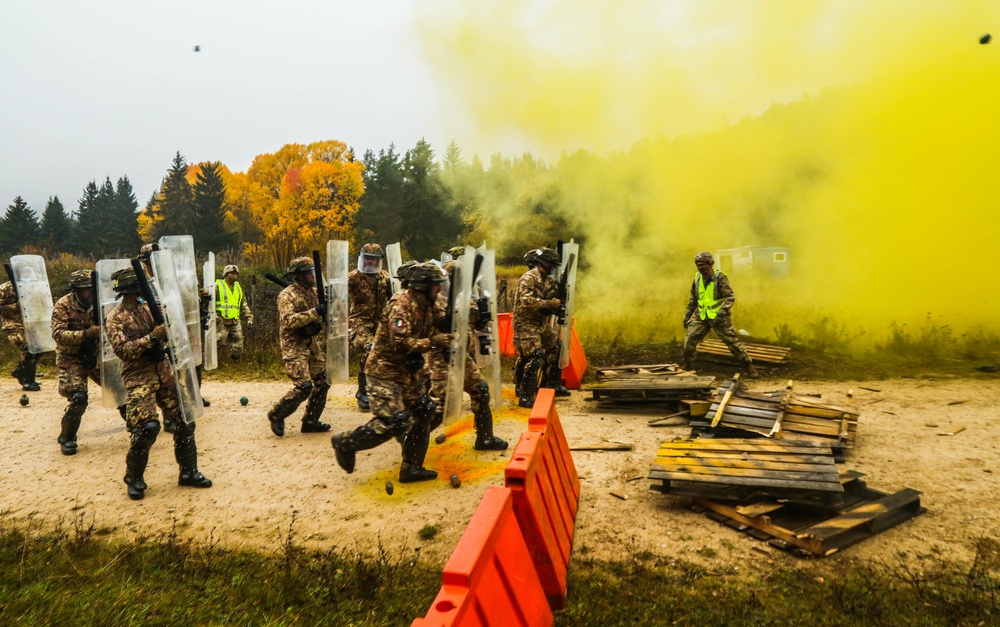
(369, 264)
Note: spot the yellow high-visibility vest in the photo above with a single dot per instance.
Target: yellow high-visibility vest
(708, 305)
(227, 302)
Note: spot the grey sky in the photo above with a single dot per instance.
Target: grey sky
(114, 87)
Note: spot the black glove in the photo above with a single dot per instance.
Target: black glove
(414, 362)
(155, 353)
(321, 310)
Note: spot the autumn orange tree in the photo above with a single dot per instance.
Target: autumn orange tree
(298, 198)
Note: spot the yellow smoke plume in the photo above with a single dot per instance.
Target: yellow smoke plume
(861, 135)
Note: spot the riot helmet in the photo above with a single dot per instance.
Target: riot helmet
(370, 259)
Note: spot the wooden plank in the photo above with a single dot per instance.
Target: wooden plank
(747, 481)
(676, 463)
(738, 410)
(761, 444)
(862, 514)
(714, 345)
(722, 474)
(805, 459)
(721, 409)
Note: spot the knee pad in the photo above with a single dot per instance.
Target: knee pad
(425, 406)
(303, 390)
(321, 384)
(481, 392)
(78, 400)
(146, 433)
(401, 421)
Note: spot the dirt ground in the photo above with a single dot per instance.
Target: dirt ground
(262, 482)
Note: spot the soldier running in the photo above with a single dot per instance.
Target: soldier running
(149, 381)
(369, 288)
(77, 353)
(710, 308)
(396, 385)
(303, 348)
(535, 303)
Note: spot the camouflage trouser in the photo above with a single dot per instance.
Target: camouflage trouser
(388, 398)
(471, 386)
(16, 338)
(143, 400)
(528, 341)
(73, 380)
(697, 329)
(231, 333)
(308, 364)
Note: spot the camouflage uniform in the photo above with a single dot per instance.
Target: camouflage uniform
(77, 357)
(149, 381)
(303, 349)
(13, 328)
(474, 384)
(697, 324)
(368, 295)
(396, 383)
(535, 303)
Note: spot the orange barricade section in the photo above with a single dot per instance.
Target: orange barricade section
(490, 579)
(557, 457)
(545, 507)
(505, 330)
(573, 373)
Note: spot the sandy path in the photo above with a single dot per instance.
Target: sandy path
(261, 480)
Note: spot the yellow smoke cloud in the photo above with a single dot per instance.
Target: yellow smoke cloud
(861, 135)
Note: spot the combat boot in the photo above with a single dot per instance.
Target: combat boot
(529, 384)
(408, 473)
(135, 467)
(362, 394)
(751, 371)
(554, 380)
(70, 425)
(518, 374)
(186, 454)
(418, 438)
(17, 372)
(314, 409)
(343, 451)
(485, 440)
(28, 383)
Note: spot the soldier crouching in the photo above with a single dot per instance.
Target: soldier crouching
(149, 381)
(302, 341)
(396, 385)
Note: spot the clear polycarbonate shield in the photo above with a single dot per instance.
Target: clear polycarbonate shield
(181, 248)
(394, 259)
(488, 360)
(567, 267)
(462, 275)
(338, 310)
(35, 300)
(113, 392)
(210, 352)
(168, 295)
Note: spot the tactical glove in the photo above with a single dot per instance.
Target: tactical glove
(441, 340)
(160, 332)
(553, 303)
(321, 310)
(249, 323)
(92, 333)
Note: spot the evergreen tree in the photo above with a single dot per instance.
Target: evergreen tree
(175, 202)
(380, 214)
(88, 225)
(56, 231)
(127, 240)
(209, 193)
(18, 228)
(431, 222)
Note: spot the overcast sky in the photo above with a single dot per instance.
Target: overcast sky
(114, 87)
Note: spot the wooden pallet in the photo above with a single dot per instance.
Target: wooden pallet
(812, 529)
(652, 390)
(739, 469)
(715, 350)
(787, 416)
(648, 371)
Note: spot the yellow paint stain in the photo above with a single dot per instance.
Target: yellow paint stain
(862, 136)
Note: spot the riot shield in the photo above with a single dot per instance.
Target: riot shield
(168, 295)
(567, 275)
(113, 392)
(488, 340)
(210, 354)
(338, 310)
(181, 248)
(35, 300)
(459, 300)
(394, 259)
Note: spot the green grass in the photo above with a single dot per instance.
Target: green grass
(73, 575)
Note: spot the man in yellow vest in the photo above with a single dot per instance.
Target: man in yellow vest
(230, 305)
(710, 308)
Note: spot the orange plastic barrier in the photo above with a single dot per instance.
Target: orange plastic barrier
(505, 329)
(490, 580)
(545, 419)
(573, 373)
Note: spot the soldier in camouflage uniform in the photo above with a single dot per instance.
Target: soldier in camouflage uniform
(474, 384)
(13, 328)
(710, 308)
(535, 303)
(369, 289)
(303, 347)
(396, 385)
(149, 381)
(77, 353)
